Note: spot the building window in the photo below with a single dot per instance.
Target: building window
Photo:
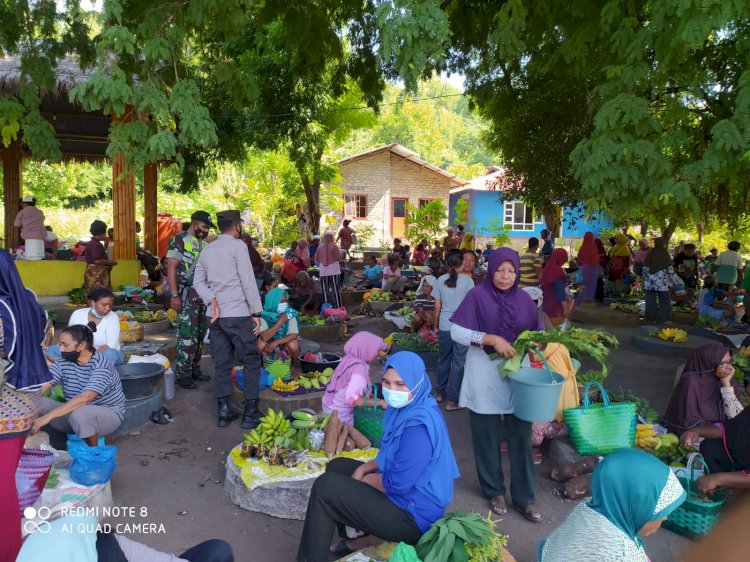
(355, 206)
(519, 216)
(425, 202)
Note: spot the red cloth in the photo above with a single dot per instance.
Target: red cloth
(588, 254)
(10, 513)
(618, 267)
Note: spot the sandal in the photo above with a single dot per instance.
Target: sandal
(498, 505)
(341, 549)
(529, 512)
(452, 407)
(439, 396)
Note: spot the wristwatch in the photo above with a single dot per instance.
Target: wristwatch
(256, 315)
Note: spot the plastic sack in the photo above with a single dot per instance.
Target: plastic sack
(93, 465)
(75, 444)
(31, 475)
(265, 378)
(156, 358)
(335, 312)
(404, 553)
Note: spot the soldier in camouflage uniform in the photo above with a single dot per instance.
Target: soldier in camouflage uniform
(192, 323)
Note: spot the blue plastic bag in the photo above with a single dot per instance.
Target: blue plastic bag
(93, 465)
(264, 381)
(75, 444)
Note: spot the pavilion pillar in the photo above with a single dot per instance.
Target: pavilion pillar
(150, 178)
(123, 199)
(12, 156)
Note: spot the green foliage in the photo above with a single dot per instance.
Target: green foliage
(425, 222)
(461, 211)
(365, 234)
(461, 536)
(498, 231)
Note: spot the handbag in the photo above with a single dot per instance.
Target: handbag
(599, 429)
(697, 515)
(368, 420)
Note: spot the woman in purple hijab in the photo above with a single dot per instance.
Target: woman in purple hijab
(489, 320)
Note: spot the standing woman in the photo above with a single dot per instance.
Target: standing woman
(588, 258)
(449, 292)
(657, 272)
(98, 266)
(729, 266)
(553, 282)
(328, 256)
(619, 263)
(346, 237)
(489, 320)
(25, 371)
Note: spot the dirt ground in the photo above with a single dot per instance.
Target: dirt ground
(176, 472)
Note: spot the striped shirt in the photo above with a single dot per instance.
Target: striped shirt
(98, 375)
(426, 304)
(530, 261)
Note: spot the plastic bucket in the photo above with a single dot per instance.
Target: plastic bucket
(536, 394)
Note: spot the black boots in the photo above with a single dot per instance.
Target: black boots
(251, 415)
(199, 376)
(226, 414)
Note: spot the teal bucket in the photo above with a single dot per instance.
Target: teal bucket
(536, 394)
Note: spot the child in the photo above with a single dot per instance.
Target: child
(392, 279)
(351, 378)
(424, 306)
(710, 301)
(372, 275)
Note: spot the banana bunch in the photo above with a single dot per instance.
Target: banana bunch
(666, 440)
(316, 379)
(645, 436)
(305, 420)
(272, 426)
(282, 386)
(672, 334)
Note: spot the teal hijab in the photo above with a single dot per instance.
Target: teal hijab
(71, 539)
(631, 488)
(269, 314)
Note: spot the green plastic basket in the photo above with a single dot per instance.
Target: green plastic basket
(599, 429)
(697, 515)
(368, 420)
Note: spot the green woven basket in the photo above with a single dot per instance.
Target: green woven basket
(697, 515)
(599, 429)
(368, 420)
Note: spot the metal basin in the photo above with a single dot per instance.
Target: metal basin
(140, 380)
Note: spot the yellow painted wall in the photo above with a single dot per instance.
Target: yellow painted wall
(51, 277)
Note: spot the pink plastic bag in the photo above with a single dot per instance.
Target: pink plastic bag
(335, 312)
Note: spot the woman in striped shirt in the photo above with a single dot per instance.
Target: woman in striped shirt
(95, 403)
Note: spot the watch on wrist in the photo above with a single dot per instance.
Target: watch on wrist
(256, 315)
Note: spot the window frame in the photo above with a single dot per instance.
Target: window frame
(355, 205)
(509, 217)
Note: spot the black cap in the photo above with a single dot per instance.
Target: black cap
(202, 216)
(227, 216)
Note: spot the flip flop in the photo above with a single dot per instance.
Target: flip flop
(341, 549)
(498, 505)
(529, 512)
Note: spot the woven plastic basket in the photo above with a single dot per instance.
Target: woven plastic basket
(599, 429)
(31, 475)
(698, 514)
(368, 420)
(131, 336)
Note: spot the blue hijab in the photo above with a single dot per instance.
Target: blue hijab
(631, 488)
(24, 323)
(437, 481)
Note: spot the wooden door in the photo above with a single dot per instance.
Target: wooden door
(398, 217)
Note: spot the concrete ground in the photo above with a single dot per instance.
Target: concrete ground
(176, 472)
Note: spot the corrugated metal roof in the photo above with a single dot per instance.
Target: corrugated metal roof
(407, 155)
(494, 180)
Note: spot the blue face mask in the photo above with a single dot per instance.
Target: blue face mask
(283, 307)
(95, 314)
(399, 398)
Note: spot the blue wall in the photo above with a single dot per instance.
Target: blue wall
(484, 206)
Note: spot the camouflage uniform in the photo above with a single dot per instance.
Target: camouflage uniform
(192, 323)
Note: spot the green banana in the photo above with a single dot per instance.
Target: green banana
(304, 416)
(303, 424)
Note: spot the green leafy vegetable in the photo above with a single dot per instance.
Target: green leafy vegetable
(78, 295)
(462, 536)
(707, 322)
(413, 342)
(578, 341)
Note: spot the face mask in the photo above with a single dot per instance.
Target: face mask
(283, 307)
(239, 231)
(399, 398)
(95, 314)
(201, 234)
(71, 356)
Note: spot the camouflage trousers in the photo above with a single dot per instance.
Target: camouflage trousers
(192, 325)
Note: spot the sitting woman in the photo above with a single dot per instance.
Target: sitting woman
(299, 261)
(711, 301)
(392, 279)
(102, 321)
(306, 295)
(372, 276)
(424, 306)
(405, 489)
(279, 326)
(419, 255)
(350, 380)
(632, 493)
(707, 391)
(726, 449)
(553, 279)
(95, 403)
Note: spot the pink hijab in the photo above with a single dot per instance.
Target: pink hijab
(328, 252)
(360, 350)
(303, 251)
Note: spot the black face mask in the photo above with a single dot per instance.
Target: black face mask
(201, 234)
(239, 231)
(71, 356)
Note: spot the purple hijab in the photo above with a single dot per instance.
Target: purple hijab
(502, 313)
(24, 324)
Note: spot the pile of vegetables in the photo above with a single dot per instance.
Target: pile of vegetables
(706, 321)
(411, 342)
(642, 407)
(78, 296)
(578, 341)
(625, 307)
(146, 316)
(683, 309)
(462, 536)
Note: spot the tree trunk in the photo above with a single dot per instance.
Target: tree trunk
(310, 216)
(700, 229)
(553, 220)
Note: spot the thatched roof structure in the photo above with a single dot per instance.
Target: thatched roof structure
(83, 135)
